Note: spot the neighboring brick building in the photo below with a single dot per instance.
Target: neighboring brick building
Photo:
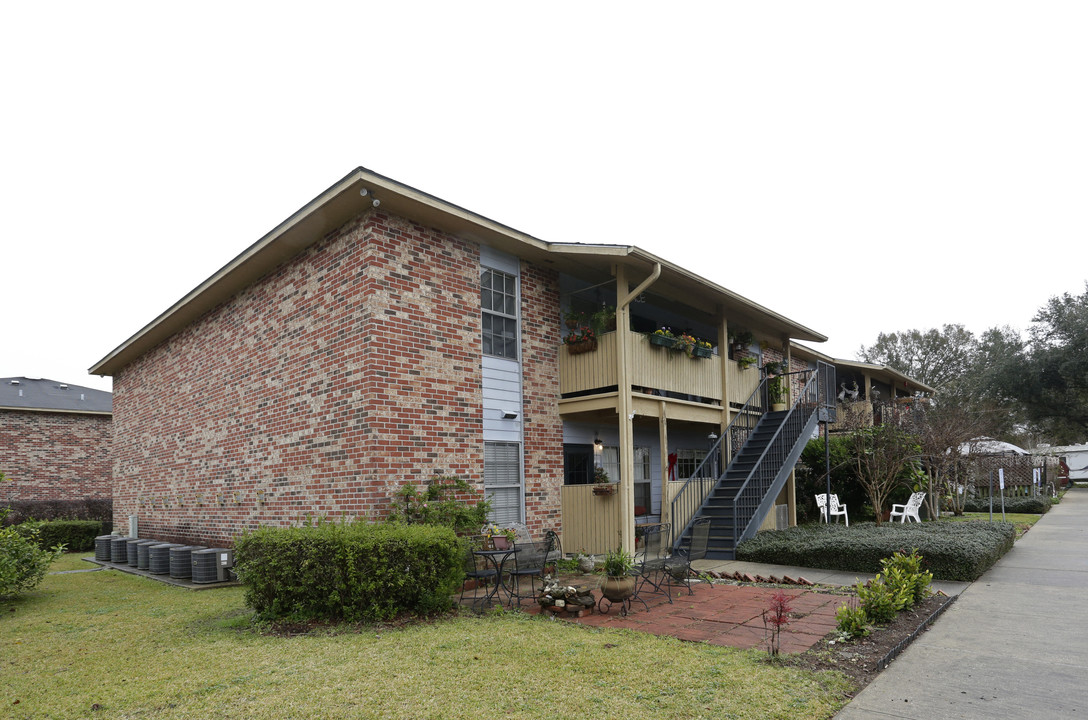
(54, 441)
(359, 346)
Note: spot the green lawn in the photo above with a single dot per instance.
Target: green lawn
(111, 645)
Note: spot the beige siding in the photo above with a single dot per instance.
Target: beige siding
(591, 523)
(655, 368)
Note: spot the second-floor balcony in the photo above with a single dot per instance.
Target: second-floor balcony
(655, 372)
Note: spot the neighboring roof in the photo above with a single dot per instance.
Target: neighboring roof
(879, 370)
(885, 370)
(990, 446)
(343, 201)
(20, 393)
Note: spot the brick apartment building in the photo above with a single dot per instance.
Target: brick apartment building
(362, 345)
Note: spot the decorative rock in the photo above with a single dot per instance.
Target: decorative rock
(560, 603)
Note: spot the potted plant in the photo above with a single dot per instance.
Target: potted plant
(741, 339)
(604, 320)
(663, 337)
(501, 538)
(776, 386)
(702, 349)
(618, 583)
(686, 343)
(746, 362)
(601, 485)
(575, 319)
(580, 340)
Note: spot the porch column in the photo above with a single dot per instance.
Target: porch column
(727, 414)
(663, 443)
(624, 403)
(623, 406)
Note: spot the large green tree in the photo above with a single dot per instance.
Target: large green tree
(938, 358)
(1046, 379)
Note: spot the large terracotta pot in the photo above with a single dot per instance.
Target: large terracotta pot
(618, 589)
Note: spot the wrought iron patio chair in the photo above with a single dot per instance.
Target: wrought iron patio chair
(908, 509)
(837, 509)
(555, 551)
(529, 559)
(678, 565)
(477, 570)
(650, 562)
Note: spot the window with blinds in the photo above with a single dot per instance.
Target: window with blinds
(502, 481)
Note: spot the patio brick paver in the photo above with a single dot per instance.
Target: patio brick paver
(722, 614)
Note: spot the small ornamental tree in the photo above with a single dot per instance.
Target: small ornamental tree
(775, 618)
(22, 563)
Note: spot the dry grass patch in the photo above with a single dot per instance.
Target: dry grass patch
(134, 648)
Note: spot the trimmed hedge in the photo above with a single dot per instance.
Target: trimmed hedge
(353, 572)
(950, 550)
(1034, 505)
(75, 535)
(82, 509)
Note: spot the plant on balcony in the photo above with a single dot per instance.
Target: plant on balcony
(575, 319)
(746, 362)
(601, 485)
(703, 349)
(604, 320)
(741, 339)
(686, 343)
(580, 340)
(663, 337)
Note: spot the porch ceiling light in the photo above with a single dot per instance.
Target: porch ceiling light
(597, 444)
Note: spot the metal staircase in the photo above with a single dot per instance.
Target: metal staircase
(759, 449)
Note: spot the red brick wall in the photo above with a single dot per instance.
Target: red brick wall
(54, 456)
(543, 430)
(318, 390)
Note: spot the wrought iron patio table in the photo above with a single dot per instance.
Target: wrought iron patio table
(496, 558)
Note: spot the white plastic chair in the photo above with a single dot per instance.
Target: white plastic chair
(837, 509)
(909, 509)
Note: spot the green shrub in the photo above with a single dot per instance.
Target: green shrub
(852, 621)
(445, 501)
(81, 509)
(353, 572)
(951, 550)
(1032, 505)
(880, 600)
(22, 563)
(907, 572)
(74, 535)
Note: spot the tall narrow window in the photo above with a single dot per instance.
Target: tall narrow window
(502, 481)
(499, 301)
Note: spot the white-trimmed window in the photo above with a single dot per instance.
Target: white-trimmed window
(687, 461)
(502, 481)
(610, 461)
(499, 302)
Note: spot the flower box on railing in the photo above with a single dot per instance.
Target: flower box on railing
(702, 352)
(664, 341)
(604, 489)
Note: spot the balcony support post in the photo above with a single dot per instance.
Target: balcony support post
(625, 296)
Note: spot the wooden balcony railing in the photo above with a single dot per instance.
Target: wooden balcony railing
(655, 368)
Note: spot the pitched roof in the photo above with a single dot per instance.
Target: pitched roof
(20, 393)
(347, 199)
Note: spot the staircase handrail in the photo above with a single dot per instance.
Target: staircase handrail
(808, 388)
(752, 407)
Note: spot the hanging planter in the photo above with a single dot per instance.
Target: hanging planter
(702, 352)
(604, 489)
(582, 346)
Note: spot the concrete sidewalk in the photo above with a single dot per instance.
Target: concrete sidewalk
(1015, 643)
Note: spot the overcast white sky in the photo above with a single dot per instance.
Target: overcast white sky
(896, 165)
